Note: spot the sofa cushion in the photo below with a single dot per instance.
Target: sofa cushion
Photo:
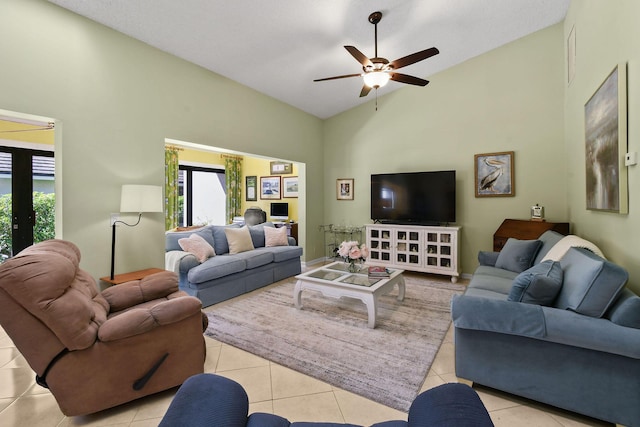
(239, 240)
(275, 237)
(560, 249)
(518, 255)
(626, 310)
(198, 246)
(539, 284)
(283, 253)
(255, 258)
(216, 267)
(591, 283)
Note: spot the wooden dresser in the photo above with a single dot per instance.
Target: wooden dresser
(524, 229)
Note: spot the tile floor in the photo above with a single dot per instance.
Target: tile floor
(271, 388)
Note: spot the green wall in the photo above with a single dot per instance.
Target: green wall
(510, 99)
(117, 100)
(607, 33)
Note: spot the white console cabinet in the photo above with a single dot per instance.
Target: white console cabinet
(429, 249)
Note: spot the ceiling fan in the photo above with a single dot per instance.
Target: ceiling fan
(377, 71)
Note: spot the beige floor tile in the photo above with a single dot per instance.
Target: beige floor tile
(444, 361)
(15, 381)
(255, 381)
(32, 411)
(266, 407)
(358, 410)
(146, 423)
(286, 382)
(212, 358)
(154, 406)
(431, 381)
(522, 416)
(312, 407)
(233, 358)
(120, 415)
(7, 355)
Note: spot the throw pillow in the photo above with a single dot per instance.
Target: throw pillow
(239, 240)
(591, 283)
(538, 285)
(518, 255)
(197, 246)
(275, 236)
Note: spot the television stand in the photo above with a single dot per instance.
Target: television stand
(429, 249)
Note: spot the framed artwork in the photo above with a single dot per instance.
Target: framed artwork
(251, 187)
(494, 174)
(290, 186)
(270, 187)
(281, 168)
(344, 189)
(605, 121)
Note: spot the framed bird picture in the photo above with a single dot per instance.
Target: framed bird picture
(494, 174)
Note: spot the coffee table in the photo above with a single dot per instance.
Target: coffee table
(334, 280)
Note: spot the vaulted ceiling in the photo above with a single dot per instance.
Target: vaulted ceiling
(278, 47)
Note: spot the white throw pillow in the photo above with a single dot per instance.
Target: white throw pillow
(197, 246)
(239, 240)
(275, 236)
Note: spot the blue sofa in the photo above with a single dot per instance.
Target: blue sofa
(226, 275)
(565, 333)
(208, 400)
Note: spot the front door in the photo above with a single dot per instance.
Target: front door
(27, 198)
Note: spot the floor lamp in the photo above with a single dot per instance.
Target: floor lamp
(136, 198)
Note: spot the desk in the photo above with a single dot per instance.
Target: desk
(525, 230)
(134, 275)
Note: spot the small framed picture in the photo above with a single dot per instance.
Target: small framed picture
(270, 187)
(251, 186)
(494, 174)
(281, 168)
(344, 189)
(290, 186)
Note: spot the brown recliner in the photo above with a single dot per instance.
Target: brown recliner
(98, 350)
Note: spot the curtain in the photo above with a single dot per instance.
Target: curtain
(233, 178)
(171, 206)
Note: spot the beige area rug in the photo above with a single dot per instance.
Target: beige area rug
(329, 339)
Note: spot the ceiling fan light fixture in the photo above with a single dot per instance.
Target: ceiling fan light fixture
(376, 79)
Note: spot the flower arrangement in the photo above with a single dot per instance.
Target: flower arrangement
(352, 251)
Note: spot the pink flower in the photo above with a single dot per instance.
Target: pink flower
(355, 253)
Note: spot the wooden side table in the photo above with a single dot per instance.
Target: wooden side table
(134, 275)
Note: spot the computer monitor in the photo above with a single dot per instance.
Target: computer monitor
(279, 211)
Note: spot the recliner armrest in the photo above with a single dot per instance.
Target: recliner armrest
(125, 295)
(140, 320)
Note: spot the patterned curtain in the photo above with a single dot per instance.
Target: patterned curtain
(233, 178)
(171, 187)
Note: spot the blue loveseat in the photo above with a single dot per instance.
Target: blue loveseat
(209, 400)
(227, 275)
(565, 333)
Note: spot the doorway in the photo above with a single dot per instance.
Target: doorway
(27, 185)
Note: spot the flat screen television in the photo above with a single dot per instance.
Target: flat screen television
(422, 198)
(279, 211)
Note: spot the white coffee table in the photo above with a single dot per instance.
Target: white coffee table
(335, 281)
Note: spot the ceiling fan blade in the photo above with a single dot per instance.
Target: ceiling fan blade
(403, 78)
(338, 77)
(414, 57)
(360, 57)
(365, 91)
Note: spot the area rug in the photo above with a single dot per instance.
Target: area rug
(329, 339)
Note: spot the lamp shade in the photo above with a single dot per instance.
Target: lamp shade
(141, 198)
